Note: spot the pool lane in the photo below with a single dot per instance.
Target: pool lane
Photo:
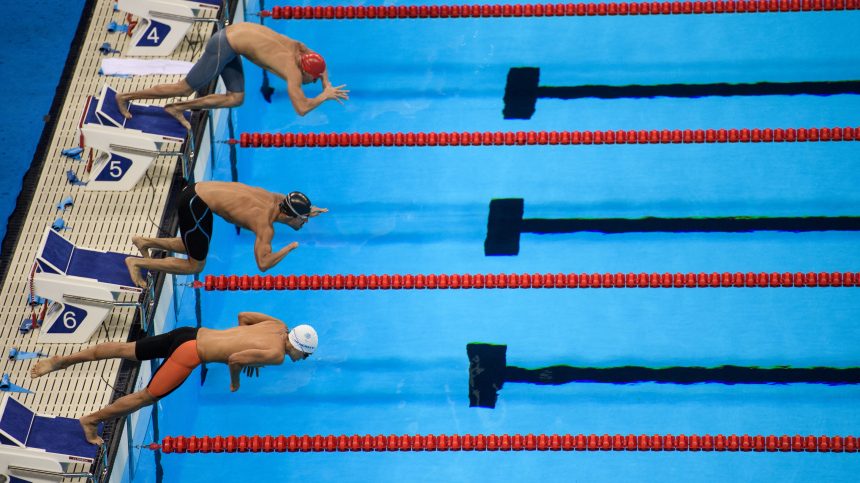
(425, 210)
(450, 75)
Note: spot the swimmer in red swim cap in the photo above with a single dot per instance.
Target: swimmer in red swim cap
(288, 59)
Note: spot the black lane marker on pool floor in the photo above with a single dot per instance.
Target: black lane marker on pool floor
(522, 91)
(488, 372)
(506, 222)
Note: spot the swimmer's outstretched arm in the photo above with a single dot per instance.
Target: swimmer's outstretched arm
(301, 103)
(251, 357)
(317, 211)
(324, 80)
(266, 259)
(251, 318)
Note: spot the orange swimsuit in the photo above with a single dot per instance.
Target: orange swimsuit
(179, 349)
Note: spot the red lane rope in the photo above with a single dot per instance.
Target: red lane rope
(520, 138)
(492, 442)
(512, 281)
(554, 10)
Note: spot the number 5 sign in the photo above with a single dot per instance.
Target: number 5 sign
(114, 168)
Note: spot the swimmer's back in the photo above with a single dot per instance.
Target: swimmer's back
(261, 45)
(239, 203)
(218, 345)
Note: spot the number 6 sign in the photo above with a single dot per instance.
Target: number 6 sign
(69, 320)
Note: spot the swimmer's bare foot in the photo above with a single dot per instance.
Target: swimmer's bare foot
(178, 114)
(121, 101)
(52, 364)
(139, 243)
(91, 430)
(134, 271)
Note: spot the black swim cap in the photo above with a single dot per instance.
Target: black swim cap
(295, 204)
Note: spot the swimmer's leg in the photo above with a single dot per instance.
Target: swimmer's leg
(161, 91)
(169, 244)
(212, 101)
(121, 407)
(105, 350)
(177, 266)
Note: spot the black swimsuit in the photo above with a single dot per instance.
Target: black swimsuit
(195, 223)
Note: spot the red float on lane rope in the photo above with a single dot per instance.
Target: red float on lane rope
(525, 280)
(492, 442)
(554, 10)
(522, 138)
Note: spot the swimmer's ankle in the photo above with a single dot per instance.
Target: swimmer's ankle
(60, 362)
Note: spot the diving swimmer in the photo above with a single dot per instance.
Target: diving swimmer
(247, 207)
(259, 340)
(288, 59)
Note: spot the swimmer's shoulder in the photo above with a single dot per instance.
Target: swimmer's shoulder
(273, 323)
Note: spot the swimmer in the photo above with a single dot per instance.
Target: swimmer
(288, 59)
(247, 207)
(259, 340)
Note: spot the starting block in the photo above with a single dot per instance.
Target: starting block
(39, 448)
(128, 146)
(164, 23)
(84, 285)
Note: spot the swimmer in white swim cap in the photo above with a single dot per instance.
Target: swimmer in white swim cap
(304, 338)
(260, 340)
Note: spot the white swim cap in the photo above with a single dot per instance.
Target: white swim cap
(304, 338)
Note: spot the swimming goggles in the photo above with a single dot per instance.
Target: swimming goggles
(290, 205)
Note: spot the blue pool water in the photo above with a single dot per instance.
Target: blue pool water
(34, 38)
(394, 362)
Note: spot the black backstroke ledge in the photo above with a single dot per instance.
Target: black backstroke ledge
(522, 90)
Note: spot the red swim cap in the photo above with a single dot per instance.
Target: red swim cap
(313, 64)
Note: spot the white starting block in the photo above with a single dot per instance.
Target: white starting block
(128, 146)
(163, 23)
(83, 285)
(39, 448)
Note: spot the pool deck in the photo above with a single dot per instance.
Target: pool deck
(99, 219)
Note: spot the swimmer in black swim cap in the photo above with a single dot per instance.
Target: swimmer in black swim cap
(248, 207)
(298, 207)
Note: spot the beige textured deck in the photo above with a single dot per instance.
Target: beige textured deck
(103, 220)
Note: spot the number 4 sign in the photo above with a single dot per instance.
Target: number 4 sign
(154, 35)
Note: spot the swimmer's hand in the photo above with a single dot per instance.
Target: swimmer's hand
(234, 386)
(251, 371)
(317, 211)
(336, 93)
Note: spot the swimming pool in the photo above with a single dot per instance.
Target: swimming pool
(29, 97)
(395, 361)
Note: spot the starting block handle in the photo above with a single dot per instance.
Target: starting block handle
(110, 303)
(183, 18)
(52, 473)
(171, 16)
(147, 152)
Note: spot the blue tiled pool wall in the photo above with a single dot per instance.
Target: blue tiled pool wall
(177, 307)
(30, 92)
